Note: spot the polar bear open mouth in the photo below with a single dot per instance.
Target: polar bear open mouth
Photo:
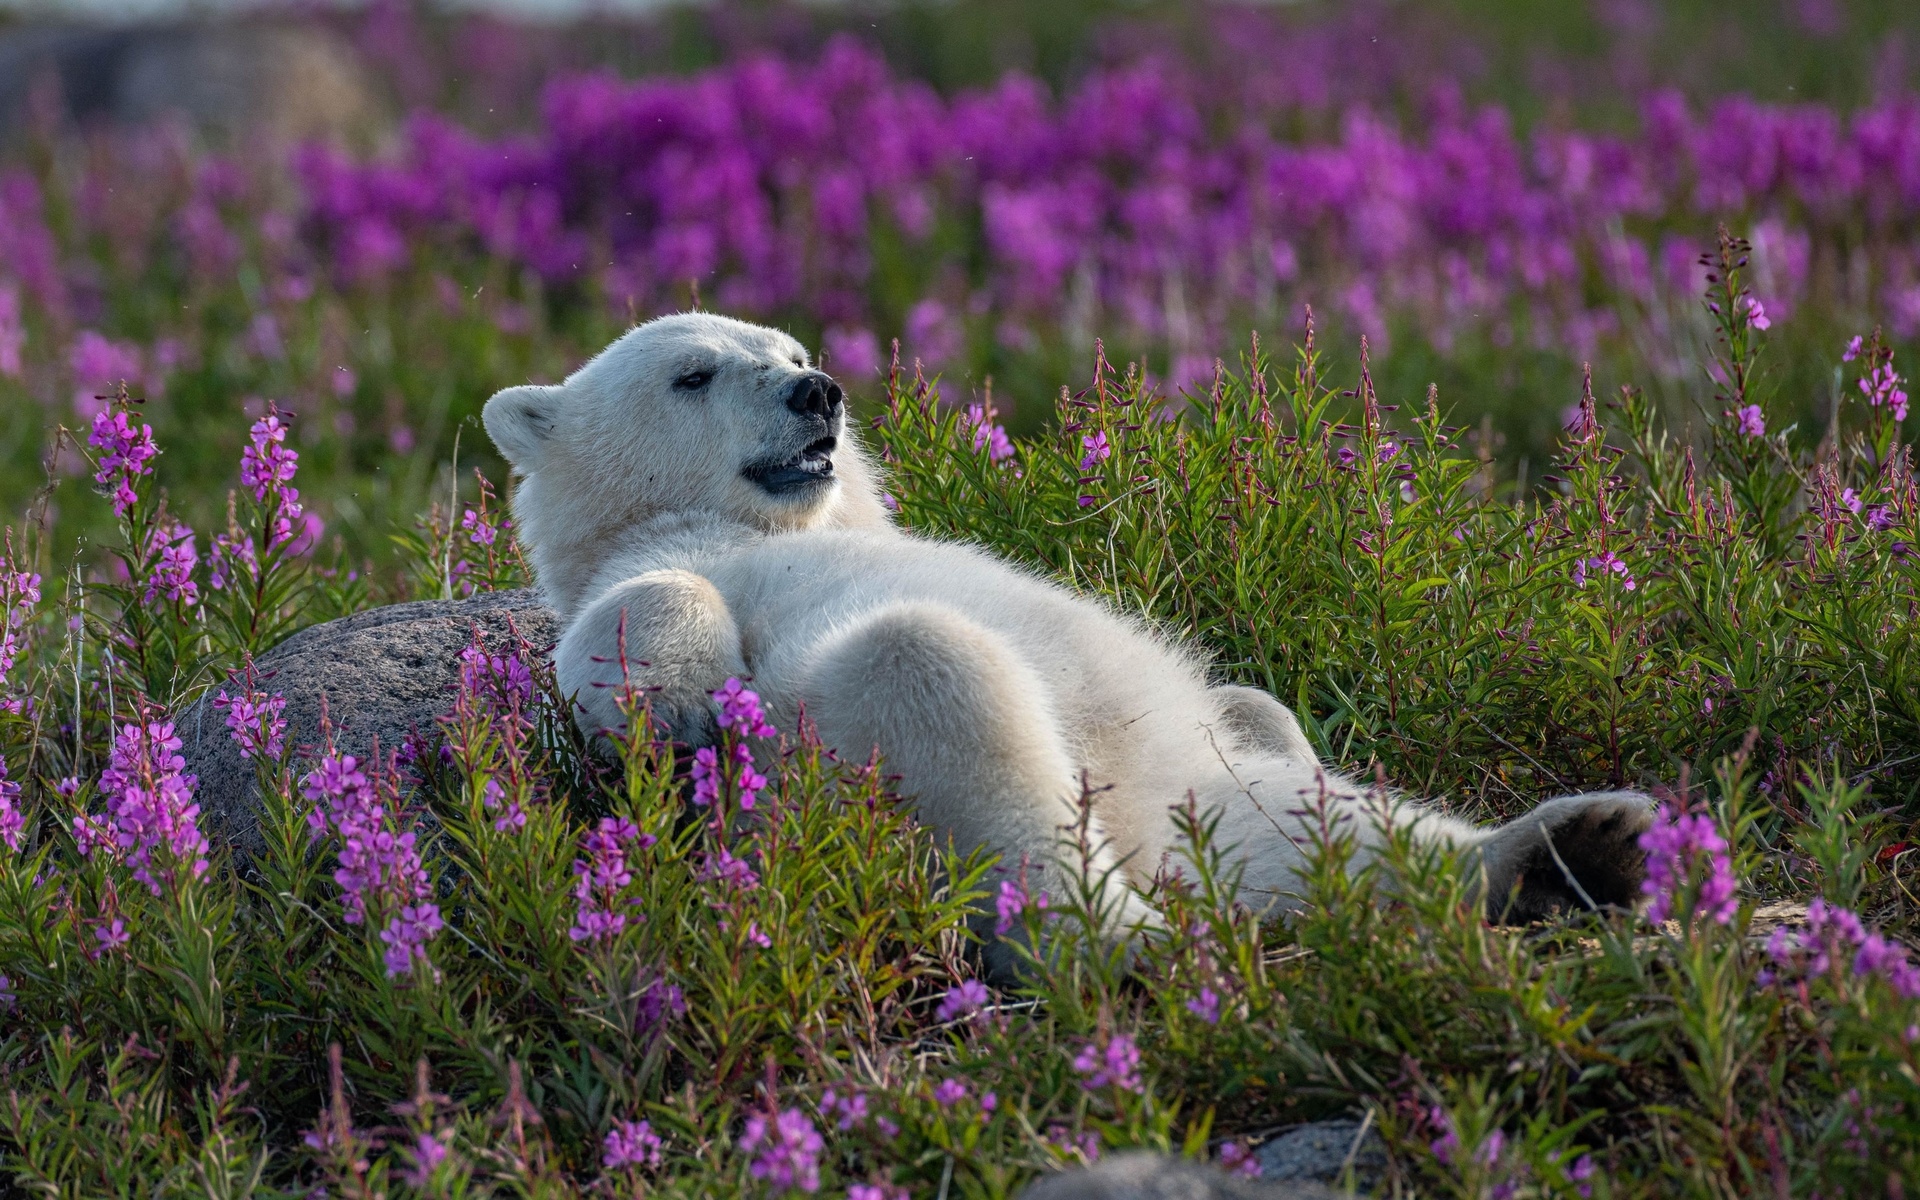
(812, 466)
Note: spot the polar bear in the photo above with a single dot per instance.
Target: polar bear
(698, 484)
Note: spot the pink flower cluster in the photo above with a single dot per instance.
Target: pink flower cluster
(741, 714)
(1752, 421)
(482, 528)
(601, 876)
(988, 434)
(151, 815)
(502, 681)
(1014, 900)
(1115, 1063)
(171, 552)
(19, 592)
(629, 1145)
(1881, 385)
(1830, 934)
(1604, 564)
(257, 722)
(964, 1000)
(267, 466)
(380, 872)
(1680, 845)
(13, 822)
(786, 1151)
(126, 454)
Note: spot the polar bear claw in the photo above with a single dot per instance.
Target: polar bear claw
(697, 485)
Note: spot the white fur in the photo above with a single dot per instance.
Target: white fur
(991, 691)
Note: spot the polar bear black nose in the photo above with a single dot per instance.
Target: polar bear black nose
(816, 395)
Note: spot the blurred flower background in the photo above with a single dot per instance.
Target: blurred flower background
(373, 218)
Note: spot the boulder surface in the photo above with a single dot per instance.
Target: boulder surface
(382, 673)
(1145, 1176)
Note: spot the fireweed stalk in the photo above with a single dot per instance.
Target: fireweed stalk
(151, 818)
(382, 879)
(255, 566)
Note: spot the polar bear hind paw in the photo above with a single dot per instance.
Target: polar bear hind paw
(1568, 855)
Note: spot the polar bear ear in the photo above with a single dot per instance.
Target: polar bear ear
(520, 420)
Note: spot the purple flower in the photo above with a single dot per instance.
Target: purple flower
(126, 455)
(266, 461)
(482, 528)
(1014, 900)
(1115, 1063)
(428, 1151)
(380, 872)
(1850, 500)
(99, 365)
(740, 710)
(851, 352)
(630, 1145)
(500, 682)
(1206, 1006)
(1753, 422)
(170, 549)
(1605, 563)
(1094, 450)
(877, 1191)
(949, 1092)
(1237, 1159)
(851, 1109)
(13, 822)
(13, 336)
(1680, 845)
(257, 722)
(1756, 313)
(151, 815)
(1882, 387)
(987, 434)
(112, 935)
(786, 1151)
(1583, 1169)
(267, 466)
(232, 559)
(734, 872)
(407, 935)
(19, 592)
(601, 876)
(756, 937)
(1447, 1146)
(962, 1000)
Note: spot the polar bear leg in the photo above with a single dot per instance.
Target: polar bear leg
(1567, 854)
(1259, 722)
(968, 727)
(681, 644)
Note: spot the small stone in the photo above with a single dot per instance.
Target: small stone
(384, 673)
(1141, 1175)
(1320, 1151)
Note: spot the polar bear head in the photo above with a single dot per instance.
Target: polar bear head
(690, 415)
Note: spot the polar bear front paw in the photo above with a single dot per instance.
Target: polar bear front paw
(1569, 854)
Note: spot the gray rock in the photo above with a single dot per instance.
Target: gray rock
(1145, 1176)
(1320, 1151)
(383, 673)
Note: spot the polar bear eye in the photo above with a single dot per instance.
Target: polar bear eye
(693, 381)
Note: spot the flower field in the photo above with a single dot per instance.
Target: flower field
(235, 396)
